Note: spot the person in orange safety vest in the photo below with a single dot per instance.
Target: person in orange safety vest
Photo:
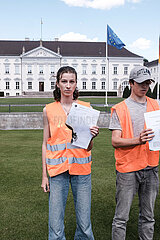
(136, 165)
(66, 164)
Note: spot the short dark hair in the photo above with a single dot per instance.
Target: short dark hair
(131, 81)
(57, 91)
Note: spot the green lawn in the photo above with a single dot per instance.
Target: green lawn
(19, 101)
(48, 100)
(24, 207)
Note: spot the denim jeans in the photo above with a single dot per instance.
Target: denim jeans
(81, 189)
(146, 183)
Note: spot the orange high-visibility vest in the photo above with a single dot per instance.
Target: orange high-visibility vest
(61, 155)
(129, 159)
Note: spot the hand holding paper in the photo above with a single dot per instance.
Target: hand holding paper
(146, 135)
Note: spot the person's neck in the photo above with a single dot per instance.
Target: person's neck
(65, 101)
(66, 104)
(138, 99)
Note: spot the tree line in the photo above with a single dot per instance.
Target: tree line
(151, 94)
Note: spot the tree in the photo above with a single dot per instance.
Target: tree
(145, 61)
(126, 92)
(149, 93)
(155, 91)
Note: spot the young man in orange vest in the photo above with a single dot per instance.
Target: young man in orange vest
(66, 164)
(136, 165)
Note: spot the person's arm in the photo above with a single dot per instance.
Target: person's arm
(94, 131)
(46, 135)
(118, 141)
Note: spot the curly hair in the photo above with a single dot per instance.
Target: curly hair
(57, 91)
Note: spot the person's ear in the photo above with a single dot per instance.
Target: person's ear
(57, 84)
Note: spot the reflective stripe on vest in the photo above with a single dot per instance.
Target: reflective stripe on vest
(80, 160)
(71, 160)
(70, 146)
(55, 161)
(60, 147)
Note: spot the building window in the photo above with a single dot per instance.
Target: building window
(154, 70)
(115, 70)
(7, 94)
(6, 69)
(29, 85)
(84, 69)
(7, 85)
(52, 69)
(52, 85)
(103, 70)
(84, 85)
(17, 94)
(16, 69)
(29, 69)
(93, 85)
(103, 85)
(75, 66)
(41, 69)
(17, 85)
(125, 70)
(114, 85)
(93, 69)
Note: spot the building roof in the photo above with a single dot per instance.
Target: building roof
(152, 63)
(66, 48)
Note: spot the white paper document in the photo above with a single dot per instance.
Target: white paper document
(80, 119)
(153, 121)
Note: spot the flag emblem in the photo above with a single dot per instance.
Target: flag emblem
(113, 39)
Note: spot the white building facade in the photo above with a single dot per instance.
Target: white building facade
(153, 66)
(30, 67)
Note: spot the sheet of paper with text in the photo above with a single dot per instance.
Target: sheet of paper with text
(153, 121)
(80, 119)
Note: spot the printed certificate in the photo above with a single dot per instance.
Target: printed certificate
(79, 120)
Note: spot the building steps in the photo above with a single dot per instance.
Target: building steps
(37, 94)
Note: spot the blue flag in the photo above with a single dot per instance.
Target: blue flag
(113, 39)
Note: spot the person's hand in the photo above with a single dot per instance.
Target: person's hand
(94, 131)
(146, 135)
(45, 184)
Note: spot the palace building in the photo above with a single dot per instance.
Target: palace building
(30, 67)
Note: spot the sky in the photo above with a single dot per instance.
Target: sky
(136, 22)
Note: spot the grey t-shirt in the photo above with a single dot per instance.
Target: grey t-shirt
(137, 111)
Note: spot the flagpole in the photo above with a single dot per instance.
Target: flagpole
(41, 28)
(107, 71)
(113, 40)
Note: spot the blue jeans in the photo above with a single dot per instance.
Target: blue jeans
(146, 183)
(81, 189)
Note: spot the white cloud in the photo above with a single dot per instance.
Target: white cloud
(71, 36)
(141, 43)
(97, 4)
(134, 1)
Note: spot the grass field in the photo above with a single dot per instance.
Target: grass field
(20, 101)
(48, 100)
(24, 207)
